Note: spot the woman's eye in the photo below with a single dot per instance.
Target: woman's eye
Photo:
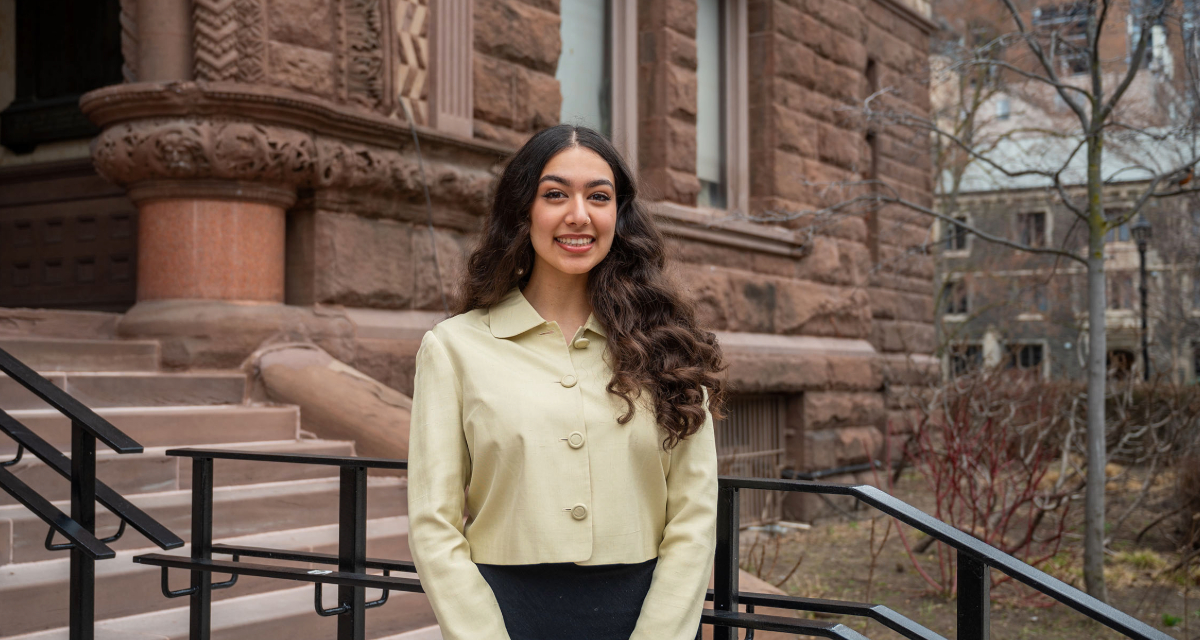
(554, 194)
(601, 197)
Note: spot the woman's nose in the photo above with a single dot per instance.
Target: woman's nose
(578, 213)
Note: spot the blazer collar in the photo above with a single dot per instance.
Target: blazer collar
(513, 315)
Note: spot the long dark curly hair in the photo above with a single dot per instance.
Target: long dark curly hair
(654, 342)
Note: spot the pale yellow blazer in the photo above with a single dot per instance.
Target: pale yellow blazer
(505, 408)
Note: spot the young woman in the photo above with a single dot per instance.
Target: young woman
(566, 411)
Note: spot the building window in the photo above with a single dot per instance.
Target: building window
(1065, 25)
(1119, 363)
(710, 108)
(1120, 290)
(1003, 107)
(1031, 229)
(584, 66)
(955, 298)
(956, 234)
(1117, 234)
(1031, 296)
(965, 358)
(750, 444)
(1026, 357)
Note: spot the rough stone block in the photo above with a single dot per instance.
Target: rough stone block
(537, 101)
(795, 62)
(452, 249)
(842, 148)
(841, 83)
(908, 337)
(795, 132)
(836, 409)
(753, 301)
(306, 23)
(679, 15)
(518, 32)
(681, 93)
(363, 262)
(708, 287)
(809, 308)
(830, 448)
(680, 49)
(660, 183)
(900, 305)
(392, 362)
(494, 80)
(839, 14)
(301, 68)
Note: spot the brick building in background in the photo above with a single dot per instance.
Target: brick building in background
(239, 171)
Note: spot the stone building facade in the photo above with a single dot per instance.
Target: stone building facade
(1001, 307)
(251, 172)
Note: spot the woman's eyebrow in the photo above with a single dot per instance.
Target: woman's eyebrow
(550, 177)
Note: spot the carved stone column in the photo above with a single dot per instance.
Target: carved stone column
(214, 167)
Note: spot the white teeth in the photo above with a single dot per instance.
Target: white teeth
(575, 242)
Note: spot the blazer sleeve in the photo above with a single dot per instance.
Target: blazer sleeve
(671, 610)
(439, 470)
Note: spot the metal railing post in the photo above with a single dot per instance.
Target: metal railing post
(725, 572)
(974, 598)
(83, 511)
(352, 550)
(202, 521)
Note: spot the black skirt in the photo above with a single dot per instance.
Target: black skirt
(560, 601)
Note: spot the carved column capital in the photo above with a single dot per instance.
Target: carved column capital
(235, 142)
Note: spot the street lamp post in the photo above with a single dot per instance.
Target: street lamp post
(1141, 234)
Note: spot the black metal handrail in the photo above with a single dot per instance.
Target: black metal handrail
(80, 527)
(351, 577)
(975, 558)
(98, 427)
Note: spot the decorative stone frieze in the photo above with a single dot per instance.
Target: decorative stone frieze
(183, 132)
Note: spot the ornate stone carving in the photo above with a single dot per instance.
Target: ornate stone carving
(251, 40)
(129, 40)
(280, 159)
(410, 56)
(164, 134)
(360, 48)
(215, 25)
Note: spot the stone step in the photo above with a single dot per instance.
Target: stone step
(179, 426)
(58, 323)
(238, 510)
(62, 354)
(153, 470)
(279, 614)
(33, 596)
(132, 389)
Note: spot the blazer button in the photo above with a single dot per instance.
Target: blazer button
(579, 512)
(569, 381)
(575, 439)
(582, 343)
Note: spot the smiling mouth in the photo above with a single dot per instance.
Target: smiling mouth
(575, 242)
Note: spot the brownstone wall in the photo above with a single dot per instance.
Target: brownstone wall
(667, 100)
(516, 54)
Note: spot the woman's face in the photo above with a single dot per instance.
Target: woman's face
(574, 215)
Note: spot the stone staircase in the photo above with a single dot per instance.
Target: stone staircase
(258, 504)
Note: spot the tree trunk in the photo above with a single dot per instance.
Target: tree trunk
(1097, 456)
